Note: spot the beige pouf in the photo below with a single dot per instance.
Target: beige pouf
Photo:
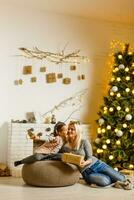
(50, 174)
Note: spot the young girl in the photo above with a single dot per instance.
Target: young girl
(93, 170)
(48, 150)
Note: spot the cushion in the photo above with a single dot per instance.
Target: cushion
(50, 173)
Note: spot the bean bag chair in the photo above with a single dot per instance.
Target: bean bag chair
(50, 173)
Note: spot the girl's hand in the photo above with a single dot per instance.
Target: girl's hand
(84, 163)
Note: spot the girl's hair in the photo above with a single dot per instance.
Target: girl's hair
(58, 127)
(78, 130)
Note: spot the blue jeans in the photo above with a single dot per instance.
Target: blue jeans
(101, 174)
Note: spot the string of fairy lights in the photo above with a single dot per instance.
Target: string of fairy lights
(114, 91)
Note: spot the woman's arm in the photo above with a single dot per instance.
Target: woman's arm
(88, 153)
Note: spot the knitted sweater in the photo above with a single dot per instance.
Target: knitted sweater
(51, 147)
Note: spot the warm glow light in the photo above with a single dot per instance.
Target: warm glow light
(111, 93)
(104, 146)
(108, 141)
(108, 127)
(131, 166)
(127, 78)
(127, 89)
(118, 79)
(111, 109)
(118, 142)
(118, 108)
(120, 56)
(105, 108)
(111, 157)
(124, 125)
(126, 69)
(103, 130)
(132, 91)
(127, 109)
(116, 130)
(118, 95)
(99, 130)
(112, 79)
(131, 130)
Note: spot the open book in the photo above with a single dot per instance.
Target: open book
(72, 158)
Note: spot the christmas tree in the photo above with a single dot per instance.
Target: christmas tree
(115, 133)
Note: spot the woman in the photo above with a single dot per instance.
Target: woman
(93, 170)
(48, 150)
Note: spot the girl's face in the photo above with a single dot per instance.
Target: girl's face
(63, 132)
(72, 132)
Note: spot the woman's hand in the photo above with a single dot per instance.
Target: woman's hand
(84, 163)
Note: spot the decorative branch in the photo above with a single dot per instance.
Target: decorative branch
(57, 58)
(74, 101)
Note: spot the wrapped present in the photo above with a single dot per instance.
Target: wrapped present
(72, 158)
(4, 170)
(127, 172)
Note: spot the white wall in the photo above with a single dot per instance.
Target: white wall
(28, 28)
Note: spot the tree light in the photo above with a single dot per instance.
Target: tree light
(126, 69)
(108, 141)
(118, 108)
(118, 79)
(104, 146)
(127, 78)
(127, 109)
(108, 127)
(111, 157)
(127, 89)
(111, 109)
(103, 130)
(111, 93)
(118, 95)
(118, 142)
(124, 125)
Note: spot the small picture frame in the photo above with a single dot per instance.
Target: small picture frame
(66, 81)
(73, 67)
(42, 69)
(51, 78)
(27, 69)
(59, 75)
(33, 79)
(30, 117)
(83, 76)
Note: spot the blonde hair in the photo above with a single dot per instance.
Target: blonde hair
(78, 139)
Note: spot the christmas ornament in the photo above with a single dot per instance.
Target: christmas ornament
(128, 117)
(114, 89)
(121, 66)
(101, 121)
(119, 133)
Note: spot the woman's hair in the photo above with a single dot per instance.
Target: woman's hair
(58, 127)
(78, 130)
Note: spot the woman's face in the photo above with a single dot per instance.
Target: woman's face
(71, 132)
(63, 132)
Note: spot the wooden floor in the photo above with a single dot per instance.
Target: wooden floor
(15, 189)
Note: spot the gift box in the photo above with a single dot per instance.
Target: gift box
(72, 158)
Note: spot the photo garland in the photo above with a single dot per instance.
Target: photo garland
(54, 67)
